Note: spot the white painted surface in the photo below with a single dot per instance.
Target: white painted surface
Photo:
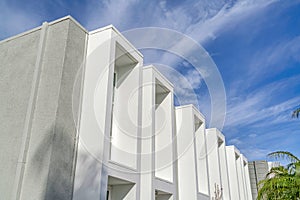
(248, 184)
(95, 124)
(157, 164)
(124, 131)
(187, 177)
(240, 170)
(163, 138)
(232, 172)
(147, 156)
(124, 192)
(92, 124)
(213, 160)
(224, 171)
(246, 178)
(164, 130)
(202, 159)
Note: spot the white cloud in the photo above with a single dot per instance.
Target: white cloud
(183, 84)
(274, 57)
(235, 141)
(225, 18)
(252, 135)
(255, 153)
(199, 19)
(260, 105)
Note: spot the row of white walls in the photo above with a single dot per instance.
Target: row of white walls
(194, 156)
(218, 170)
(133, 142)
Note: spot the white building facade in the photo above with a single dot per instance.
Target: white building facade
(130, 141)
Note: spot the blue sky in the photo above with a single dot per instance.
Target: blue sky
(254, 43)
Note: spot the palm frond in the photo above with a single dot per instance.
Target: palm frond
(291, 167)
(297, 169)
(284, 155)
(296, 113)
(277, 171)
(283, 187)
(281, 182)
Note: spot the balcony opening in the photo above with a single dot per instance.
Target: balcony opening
(163, 132)
(236, 156)
(220, 142)
(197, 123)
(120, 189)
(160, 195)
(125, 97)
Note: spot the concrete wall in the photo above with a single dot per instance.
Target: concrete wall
(257, 172)
(17, 57)
(38, 71)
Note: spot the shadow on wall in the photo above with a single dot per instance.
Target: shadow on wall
(59, 144)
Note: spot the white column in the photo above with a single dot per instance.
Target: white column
(240, 169)
(148, 112)
(213, 160)
(158, 164)
(247, 178)
(187, 177)
(232, 154)
(248, 182)
(93, 124)
(224, 171)
(202, 160)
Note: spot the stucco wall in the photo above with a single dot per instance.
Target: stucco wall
(257, 172)
(17, 63)
(38, 71)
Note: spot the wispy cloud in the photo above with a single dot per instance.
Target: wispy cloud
(256, 153)
(184, 84)
(199, 19)
(276, 56)
(262, 105)
(229, 15)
